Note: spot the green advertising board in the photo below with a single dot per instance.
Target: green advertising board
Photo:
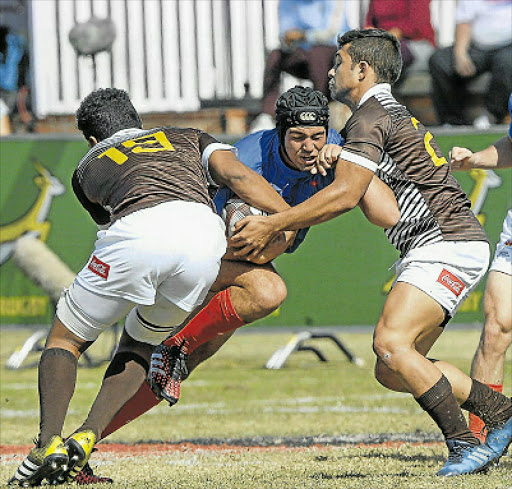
(339, 276)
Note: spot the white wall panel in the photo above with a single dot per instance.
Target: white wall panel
(205, 50)
(169, 54)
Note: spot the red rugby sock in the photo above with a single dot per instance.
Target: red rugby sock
(142, 401)
(218, 317)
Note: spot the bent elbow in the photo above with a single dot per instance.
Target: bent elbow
(394, 217)
(344, 203)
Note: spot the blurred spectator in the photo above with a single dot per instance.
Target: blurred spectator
(308, 31)
(13, 73)
(483, 43)
(409, 21)
(5, 126)
(11, 53)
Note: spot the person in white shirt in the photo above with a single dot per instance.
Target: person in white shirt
(483, 43)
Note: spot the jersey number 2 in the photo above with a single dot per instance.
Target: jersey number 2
(438, 161)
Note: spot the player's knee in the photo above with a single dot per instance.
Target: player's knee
(382, 373)
(272, 293)
(266, 292)
(496, 338)
(387, 378)
(503, 323)
(151, 324)
(382, 348)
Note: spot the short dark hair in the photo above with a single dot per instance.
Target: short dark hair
(380, 49)
(106, 111)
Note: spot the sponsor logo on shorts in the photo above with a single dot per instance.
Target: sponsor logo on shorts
(508, 242)
(451, 282)
(98, 267)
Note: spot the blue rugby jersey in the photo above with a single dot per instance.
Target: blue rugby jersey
(260, 152)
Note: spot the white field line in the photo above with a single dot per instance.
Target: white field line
(299, 405)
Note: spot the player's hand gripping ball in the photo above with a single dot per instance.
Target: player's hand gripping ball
(235, 210)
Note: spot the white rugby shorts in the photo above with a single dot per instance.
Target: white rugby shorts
(174, 247)
(502, 261)
(446, 271)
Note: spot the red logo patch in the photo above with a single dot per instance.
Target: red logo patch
(451, 282)
(98, 267)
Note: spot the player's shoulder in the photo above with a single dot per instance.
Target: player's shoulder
(375, 106)
(334, 137)
(257, 146)
(256, 138)
(179, 130)
(369, 115)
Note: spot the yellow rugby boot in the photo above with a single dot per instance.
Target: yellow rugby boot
(80, 446)
(41, 463)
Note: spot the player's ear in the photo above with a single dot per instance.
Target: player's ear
(363, 69)
(92, 141)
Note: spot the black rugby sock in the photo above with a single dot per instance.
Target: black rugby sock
(442, 406)
(57, 377)
(125, 374)
(491, 406)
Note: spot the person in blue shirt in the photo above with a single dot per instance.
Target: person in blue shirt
(298, 159)
(489, 360)
(307, 34)
(12, 50)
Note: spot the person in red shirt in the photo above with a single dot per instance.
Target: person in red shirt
(410, 23)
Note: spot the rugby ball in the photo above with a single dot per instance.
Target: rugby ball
(235, 210)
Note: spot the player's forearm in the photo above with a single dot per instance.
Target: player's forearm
(487, 158)
(227, 170)
(504, 150)
(276, 247)
(323, 206)
(255, 190)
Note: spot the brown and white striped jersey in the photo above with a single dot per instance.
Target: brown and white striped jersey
(381, 135)
(135, 169)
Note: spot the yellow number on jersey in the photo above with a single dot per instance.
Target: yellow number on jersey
(140, 145)
(430, 150)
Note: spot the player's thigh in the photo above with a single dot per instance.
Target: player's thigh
(87, 314)
(497, 301)
(151, 324)
(409, 317)
(262, 282)
(244, 274)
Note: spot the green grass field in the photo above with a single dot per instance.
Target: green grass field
(239, 425)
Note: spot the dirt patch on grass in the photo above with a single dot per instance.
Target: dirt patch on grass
(253, 444)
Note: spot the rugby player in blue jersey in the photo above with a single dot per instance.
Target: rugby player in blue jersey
(444, 249)
(297, 159)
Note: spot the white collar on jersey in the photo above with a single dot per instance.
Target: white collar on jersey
(380, 87)
(130, 130)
